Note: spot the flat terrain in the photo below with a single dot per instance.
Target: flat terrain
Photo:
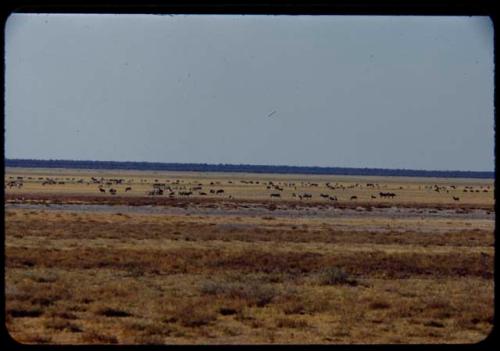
(220, 258)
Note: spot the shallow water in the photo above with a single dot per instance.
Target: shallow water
(257, 211)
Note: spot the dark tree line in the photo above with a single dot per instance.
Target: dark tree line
(203, 167)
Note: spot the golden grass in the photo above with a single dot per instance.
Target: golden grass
(237, 186)
(136, 278)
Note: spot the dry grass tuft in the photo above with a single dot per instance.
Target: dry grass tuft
(434, 324)
(95, 337)
(37, 339)
(60, 324)
(145, 339)
(21, 309)
(336, 276)
(380, 305)
(286, 322)
(62, 314)
(254, 293)
(111, 312)
(194, 315)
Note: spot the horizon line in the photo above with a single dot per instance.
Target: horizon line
(254, 165)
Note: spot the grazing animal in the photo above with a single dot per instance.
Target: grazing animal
(155, 191)
(307, 196)
(203, 194)
(333, 198)
(112, 191)
(354, 197)
(128, 189)
(374, 197)
(456, 198)
(160, 186)
(324, 195)
(391, 195)
(102, 190)
(220, 191)
(275, 195)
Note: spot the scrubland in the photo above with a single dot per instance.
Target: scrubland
(201, 277)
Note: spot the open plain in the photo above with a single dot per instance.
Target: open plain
(143, 257)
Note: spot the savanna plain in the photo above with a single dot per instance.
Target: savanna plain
(144, 257)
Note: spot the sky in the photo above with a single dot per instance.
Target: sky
(338, 91)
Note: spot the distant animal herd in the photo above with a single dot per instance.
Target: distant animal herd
(178, 187)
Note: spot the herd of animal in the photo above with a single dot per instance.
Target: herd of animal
(276, 189)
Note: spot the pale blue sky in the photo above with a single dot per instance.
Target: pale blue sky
(348, 91)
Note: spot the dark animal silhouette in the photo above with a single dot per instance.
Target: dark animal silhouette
(391, 195)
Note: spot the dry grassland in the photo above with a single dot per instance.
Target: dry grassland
(247, 269)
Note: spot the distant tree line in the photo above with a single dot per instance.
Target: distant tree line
(204, 167)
